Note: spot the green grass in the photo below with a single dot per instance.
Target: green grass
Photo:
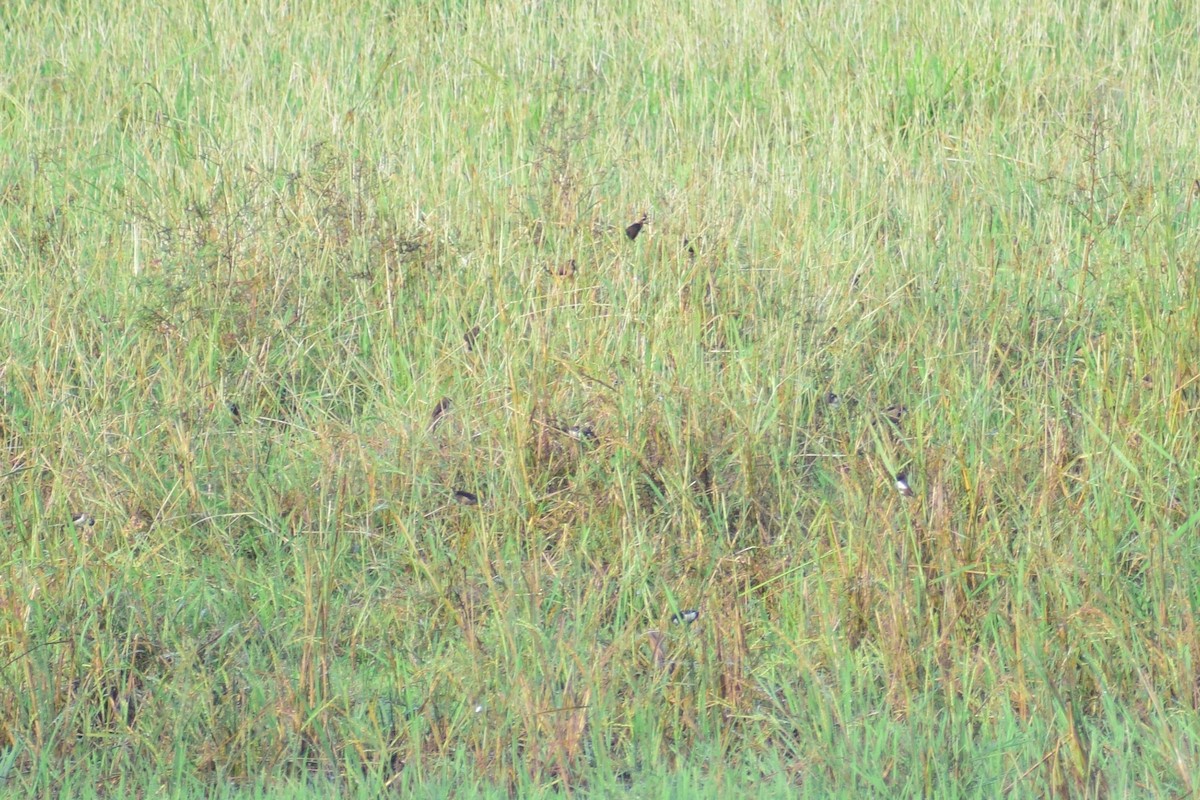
(244, 253)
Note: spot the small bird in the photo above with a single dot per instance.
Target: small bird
(581, 433)
(832, 399)
(895, 412)
(633, 230)
(83, 520)
(902, 485)
(439, 411)
(469, 338)
(687, 617)
(465, 498)
(236, 413)
(566, 270)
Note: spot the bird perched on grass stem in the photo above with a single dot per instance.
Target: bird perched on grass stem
(633, 230)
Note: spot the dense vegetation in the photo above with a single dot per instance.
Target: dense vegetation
(349, 442)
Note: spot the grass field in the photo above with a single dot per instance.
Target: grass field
(351, 446)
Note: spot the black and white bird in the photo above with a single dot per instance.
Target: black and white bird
(902, 485)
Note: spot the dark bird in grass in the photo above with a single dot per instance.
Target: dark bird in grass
(469, 338)
(633, 230)
(687, 617)
(465, 498)
(439, 411)
(689, 247)
(83, 520)
(585, 434)
(581, 433)
(895, 412)
(566, 269)
(236, 413)
(835, 399)
(902, 485)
